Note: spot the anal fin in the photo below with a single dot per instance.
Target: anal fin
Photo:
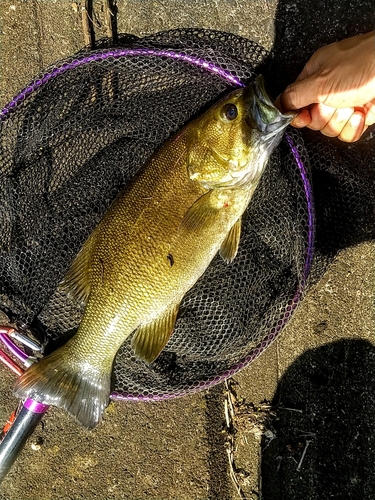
(229, 247)
(150, 339)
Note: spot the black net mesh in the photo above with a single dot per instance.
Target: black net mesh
(75, 136)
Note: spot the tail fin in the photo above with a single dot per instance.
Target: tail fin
(58, 380)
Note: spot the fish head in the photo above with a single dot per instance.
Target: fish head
(230, 144)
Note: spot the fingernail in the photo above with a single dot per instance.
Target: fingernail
(356, 120)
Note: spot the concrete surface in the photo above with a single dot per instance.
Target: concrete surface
(208, 446)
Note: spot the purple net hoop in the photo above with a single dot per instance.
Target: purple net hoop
(233, 81)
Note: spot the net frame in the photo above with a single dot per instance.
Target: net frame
(217, 72)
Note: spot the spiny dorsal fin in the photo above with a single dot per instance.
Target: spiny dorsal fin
(78, 279)
(229, 247)
(149, 340)
(199, 213)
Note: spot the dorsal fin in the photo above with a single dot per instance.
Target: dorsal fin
(77, 281)
(150, 339)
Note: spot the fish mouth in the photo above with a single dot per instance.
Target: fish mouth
(262, 115)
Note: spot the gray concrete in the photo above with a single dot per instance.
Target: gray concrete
(177, 449)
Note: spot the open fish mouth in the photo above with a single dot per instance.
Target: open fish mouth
(262, 114)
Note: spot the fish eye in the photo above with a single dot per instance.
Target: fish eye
(229, 111)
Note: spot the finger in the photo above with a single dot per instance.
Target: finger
(370, 113)
(300, 94)
(303, 119)
(337, 122)
(315, 62)
(354, 127)
(320, 115)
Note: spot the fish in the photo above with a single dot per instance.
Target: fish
(152, 245)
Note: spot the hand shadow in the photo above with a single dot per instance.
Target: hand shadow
(325, 446)
(324, 427)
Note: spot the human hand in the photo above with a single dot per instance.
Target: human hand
(335, 93)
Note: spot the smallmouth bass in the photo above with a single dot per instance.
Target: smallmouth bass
(154, 242)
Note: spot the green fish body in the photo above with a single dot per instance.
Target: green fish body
(155, 241)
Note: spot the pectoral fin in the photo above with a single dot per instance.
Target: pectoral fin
(199, 213)
(229, 247)
(149, 340)
(78, 279)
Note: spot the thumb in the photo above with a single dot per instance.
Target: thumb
(304, 90)
(300, 94)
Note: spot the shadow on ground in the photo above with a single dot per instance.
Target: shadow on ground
(341, 171)
(302, 26)
(324, 428)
